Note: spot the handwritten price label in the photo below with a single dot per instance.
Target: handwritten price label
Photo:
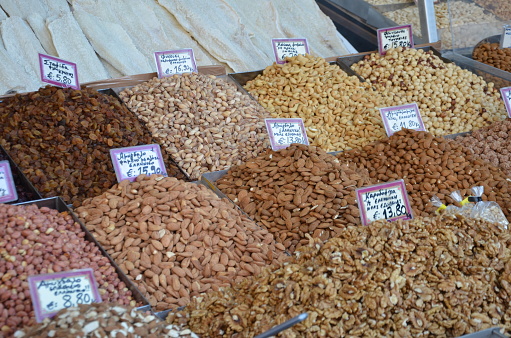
(7, 187)
(58, 72)
(505, 39)
(53, 292)
(283, 48)
(384, 201)
(173, 62)
(393, 37)
(506, 96)
(131, 162)
(399, 117)
(284, 132)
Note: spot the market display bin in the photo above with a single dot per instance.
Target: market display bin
(58, 204)
(24, 188)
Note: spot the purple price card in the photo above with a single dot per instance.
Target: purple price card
(283, 48)
(284, 132)
(173, 62)
(393, 37)
(506, 96)
(399, 117)
(58, 72)
(7, 188)
(384, 201)
(52, 292)
(505, 39)
(130, 162)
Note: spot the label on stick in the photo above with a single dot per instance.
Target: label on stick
(7, 187)
(505, 39)
(131, 162)
(384, 201)
(55, 291)
(506, 96)
(283, 48)
(173, 62)
(284, 132)
(393, 37)
(58, 72)
(399, 117)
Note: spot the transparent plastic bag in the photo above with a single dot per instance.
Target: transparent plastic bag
(487, 210)
(438, 204)
(465, 208)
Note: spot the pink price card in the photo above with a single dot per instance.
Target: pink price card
(53, 292)
(284, 132)
(58, 72)
(393, 37)
(506, 96)
(7, 187)
(131, 162)
(283, 48)
(384, 201)
(173, 62)
(399, 117)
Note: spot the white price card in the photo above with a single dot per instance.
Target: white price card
(173, 62)
(399, 117)
(506, 96)
(284, 132)
(58, 72)
(505, 39)
(283, 48)
(384, 201)
(393, 37)
(55, 291)
(131, 162)
(7, 187)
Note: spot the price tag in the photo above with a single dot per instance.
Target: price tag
(505, 39)
(283, 48)
(384, 201)
(58, 72)
(393, 37)
(7, 187)
(284, 132)
(399, 117)
(506, 96)
(175, 62)
(55, 291)
(130, 162)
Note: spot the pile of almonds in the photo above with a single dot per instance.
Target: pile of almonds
(493, 55)
(296, 191)
(176, 239)
(61, 139)
(426, 277)
(431, 166)
(36, 241)
(103, 320)
(204, 122)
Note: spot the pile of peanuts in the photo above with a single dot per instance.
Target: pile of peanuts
(493, 55)
(491, 144)
(431, 166)
(451, 100)
(103, 320)
(295, 192)
(37, 241)
(425, 277)
(204, 122)
(176, 239)
(61, 139)
(501, 8)
(338, 110)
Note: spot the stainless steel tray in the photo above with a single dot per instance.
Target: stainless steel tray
(58, 204)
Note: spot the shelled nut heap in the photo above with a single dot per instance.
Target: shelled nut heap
(38, 241)
(176, 239)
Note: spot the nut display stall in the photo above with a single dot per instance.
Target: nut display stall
(238, 238)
